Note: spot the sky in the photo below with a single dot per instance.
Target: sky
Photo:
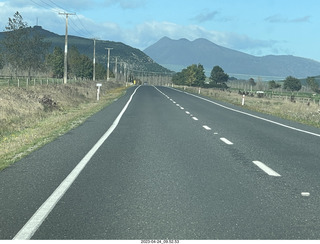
(256, 27)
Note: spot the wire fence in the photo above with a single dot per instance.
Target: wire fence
(25, 82)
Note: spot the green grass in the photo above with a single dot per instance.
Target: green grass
(25, 125)
(295, 111)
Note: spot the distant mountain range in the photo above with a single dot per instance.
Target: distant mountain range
(178, 54)
(136, 59)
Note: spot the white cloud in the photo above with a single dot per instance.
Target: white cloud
(139, 36)
(205, 16)
(281, 19)
(147, 33)
(125, 4)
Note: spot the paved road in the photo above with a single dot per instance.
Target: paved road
(171, 166)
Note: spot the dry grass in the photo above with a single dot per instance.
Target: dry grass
(30, 118)
(304, 113)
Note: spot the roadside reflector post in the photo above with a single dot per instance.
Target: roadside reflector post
(243, 96)
(98, 90)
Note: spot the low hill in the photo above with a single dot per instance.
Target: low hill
(135, 58)
(178, 54)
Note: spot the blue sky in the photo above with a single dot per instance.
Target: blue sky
(257, 27)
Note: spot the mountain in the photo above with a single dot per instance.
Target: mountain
(178, 54)
(135, 58)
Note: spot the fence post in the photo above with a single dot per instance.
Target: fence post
(18, 82)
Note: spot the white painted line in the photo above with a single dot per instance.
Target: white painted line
(195, 118)
(173, 101)
(226, 141)
(177, 104)
(187, 112)
(206, 127)
(182, 108)
(266, 169)
(305, 194)
(251, 115)
(216, 133)
(40, 215)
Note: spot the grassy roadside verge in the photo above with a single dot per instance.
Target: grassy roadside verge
(304, 113)
(27, 124)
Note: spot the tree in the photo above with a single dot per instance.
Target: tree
(1, 61)
(200, 76)
(193, 75)
(15, 36)
(79, 65)
(311, 81)
(273, 85)
(292, 84)
(24, 47)
(85, 67)
(218, 77)
(101, 72)
(56, 62)
(252, 82)
(179, 78)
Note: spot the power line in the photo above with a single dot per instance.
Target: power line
(42, 6)
(66, 10)
(54, 7)
(83, 26)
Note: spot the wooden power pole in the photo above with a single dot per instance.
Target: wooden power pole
(65, 76)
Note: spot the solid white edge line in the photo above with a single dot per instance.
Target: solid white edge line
(226, 141)
(40, 215)
(251, 115)
(266, 169)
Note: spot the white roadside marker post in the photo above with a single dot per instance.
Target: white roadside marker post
(98, 90)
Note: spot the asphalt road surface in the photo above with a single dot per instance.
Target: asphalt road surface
(163, 164)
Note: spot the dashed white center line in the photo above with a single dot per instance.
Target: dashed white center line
(226, 141)
(187, 112)
(182, 108)
(265, 168)
(206, 127)
(195, 118)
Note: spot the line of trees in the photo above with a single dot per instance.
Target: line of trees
(79, 65)
(194, 75)
(23, 49)
(293, 84)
